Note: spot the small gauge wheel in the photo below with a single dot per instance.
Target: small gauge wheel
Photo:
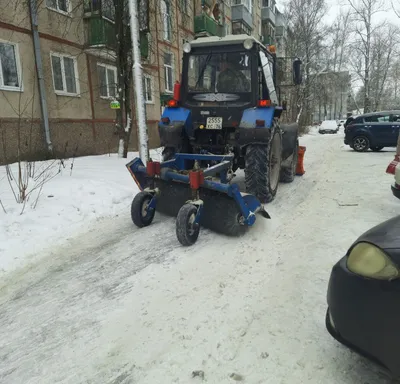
(187, 231)
(141, 214)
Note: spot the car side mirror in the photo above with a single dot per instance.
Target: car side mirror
(297, 78)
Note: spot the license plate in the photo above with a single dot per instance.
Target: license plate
(214, 123)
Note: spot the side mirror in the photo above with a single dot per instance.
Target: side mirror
(297, 78)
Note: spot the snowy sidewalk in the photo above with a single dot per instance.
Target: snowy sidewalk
(96, 187)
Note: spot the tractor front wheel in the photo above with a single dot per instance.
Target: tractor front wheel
(262, 168)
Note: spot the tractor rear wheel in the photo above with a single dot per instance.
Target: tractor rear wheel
(262, 169)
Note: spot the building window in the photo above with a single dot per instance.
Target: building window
(166, 18)
(58, 5)
(168, 72)
(65, 71)
(148, 89)
(10, 78)
(239, 28)
(107, 80)
(247, 3)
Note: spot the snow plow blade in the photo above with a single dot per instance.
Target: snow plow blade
(213, 203)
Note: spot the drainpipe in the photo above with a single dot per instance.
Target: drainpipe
(39, 70)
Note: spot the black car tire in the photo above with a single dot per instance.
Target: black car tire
(360, 143)
(376, 149)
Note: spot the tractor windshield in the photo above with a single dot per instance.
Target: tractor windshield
(224, 73)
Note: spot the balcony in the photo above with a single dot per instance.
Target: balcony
(100, 33)
(204, 25)
(101, 38)
(241, 13)
(268, 14)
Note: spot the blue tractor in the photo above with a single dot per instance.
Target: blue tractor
(225, 115)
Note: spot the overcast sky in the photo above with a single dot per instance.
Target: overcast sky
(335, 5)
(334, 8)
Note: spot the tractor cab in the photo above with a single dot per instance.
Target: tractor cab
(228, 97)
(234, 72)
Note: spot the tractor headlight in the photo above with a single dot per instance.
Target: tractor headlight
(369, 261)
(187, 47)
(248, 44)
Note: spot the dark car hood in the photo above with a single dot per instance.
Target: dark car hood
(386, 236)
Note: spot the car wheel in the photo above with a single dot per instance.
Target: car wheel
(360, 143)
(376, 149)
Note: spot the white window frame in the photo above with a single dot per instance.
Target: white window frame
(147, 77)
(64, 93)
(172, 66)
(114, 69)
(58, 10)
(19, 70)
(166, 20)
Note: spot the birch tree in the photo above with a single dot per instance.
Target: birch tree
(305, 21)
(383, 48)
(362, 12)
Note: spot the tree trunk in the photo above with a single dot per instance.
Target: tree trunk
(367, 62)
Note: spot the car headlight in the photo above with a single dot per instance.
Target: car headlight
(368, 260)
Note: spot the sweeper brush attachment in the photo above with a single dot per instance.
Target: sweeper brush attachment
(196, 196)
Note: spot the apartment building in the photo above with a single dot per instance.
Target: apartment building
(78, 60)
(71, 104)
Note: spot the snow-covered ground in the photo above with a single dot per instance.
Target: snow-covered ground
(95, 187)
(114, 304)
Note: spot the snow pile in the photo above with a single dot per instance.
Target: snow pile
(61, 202)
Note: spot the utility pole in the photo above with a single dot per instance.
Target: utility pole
(137, 70)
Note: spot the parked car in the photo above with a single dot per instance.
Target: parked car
(373, 131)
(328, 126)
(364, 295)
